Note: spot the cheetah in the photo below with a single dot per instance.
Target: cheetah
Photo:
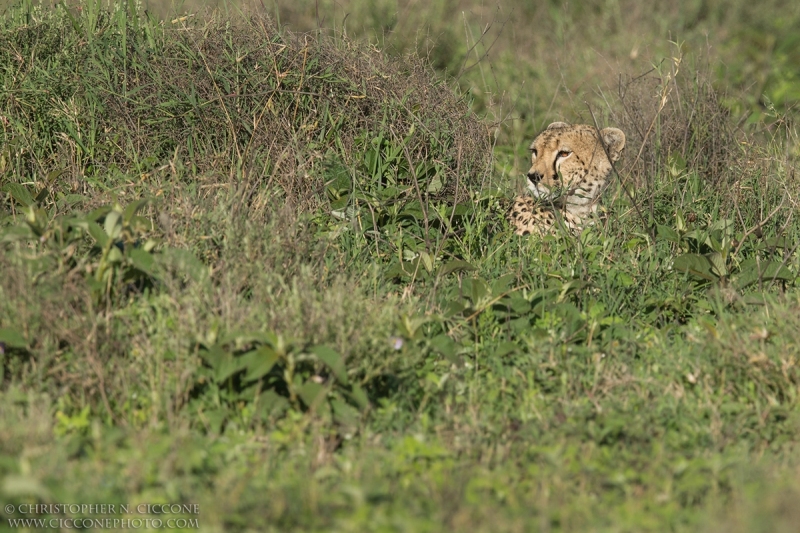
(570, 170)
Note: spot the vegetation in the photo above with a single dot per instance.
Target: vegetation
(268, 272)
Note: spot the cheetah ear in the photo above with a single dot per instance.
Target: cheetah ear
(557, 125)
(614, 140)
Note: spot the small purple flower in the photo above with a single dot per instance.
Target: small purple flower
(397, 342)
(2, 348)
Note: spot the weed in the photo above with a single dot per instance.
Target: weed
(268, 272)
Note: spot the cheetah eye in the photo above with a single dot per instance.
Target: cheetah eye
(563, 153)
(533, 152)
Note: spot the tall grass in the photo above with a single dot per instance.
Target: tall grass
(269, 273)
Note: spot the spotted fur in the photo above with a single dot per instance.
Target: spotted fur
(570, 168)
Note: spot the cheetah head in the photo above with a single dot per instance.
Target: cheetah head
(571, 164)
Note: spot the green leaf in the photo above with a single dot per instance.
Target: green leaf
(359, 396)
(222, 362)
(114, 255)
(344, 414)
(226, 366)
(259, 362)
(113, 224)
(475, 289)
(453, 308)
(42, 195)
(668, 233)
(768, 271)
(774, 242)
(755, 299)
(457, 266)
(695, 264)
(332, 360)
(132, 209)
(427, 261)
(19, 193)
(99, 213)
(94, 229)
(142, 260)
(12, 339)
(517, 303)
(311, 393)
(718, 264)
(505, 348)
(413, 209)
(461, 210)
(444, 345)
(500, 285)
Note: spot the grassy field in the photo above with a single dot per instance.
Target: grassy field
(256, 261)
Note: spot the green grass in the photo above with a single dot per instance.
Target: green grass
(268, 273)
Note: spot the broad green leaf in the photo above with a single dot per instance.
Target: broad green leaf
(150, 245)
(413, 209)
(475, 288)
(517, 303)
(718, 266)
(132, 209)
(461, 210)
(19, 193)
(311, 393)
(570, 287)
(695, 264)
(333, 361)
(226, 366)
(42, 195)
(444, 345)
(97, 233)
(99, 213)
(259, 362)
(505, 348)
(359, 396)
(12, 339)
(272, 404)
(427, 261)
(435, 185)
(457, 265)
(774, 242)
(766, 271)
(624, 279)
(453, 308)
(142, 260)
(500, 285)
(113, 224)
(345, 414)
(223, 363)
(668, 233)
(114, 255)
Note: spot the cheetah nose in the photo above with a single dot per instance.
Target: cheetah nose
(535, 177)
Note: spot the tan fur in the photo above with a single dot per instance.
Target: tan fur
(569, 171)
